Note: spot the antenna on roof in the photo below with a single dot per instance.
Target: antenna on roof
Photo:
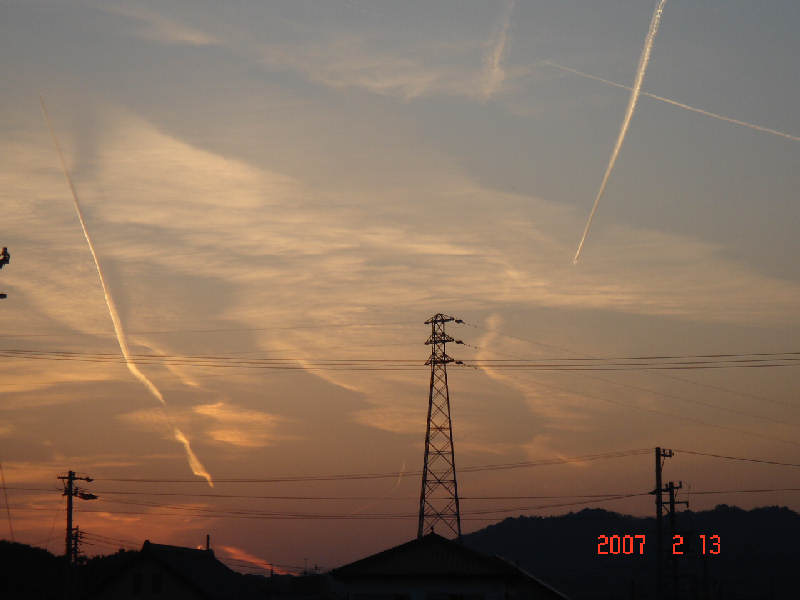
(208, 541)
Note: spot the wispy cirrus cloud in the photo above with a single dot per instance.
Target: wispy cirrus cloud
(153, 200)
(357, 61)
(239, 426)
(559, 408)
(155, 26)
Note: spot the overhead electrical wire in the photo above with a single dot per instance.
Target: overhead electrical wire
(353, 517)
(660, 374)
(665, 362)
(387, 475)
(698, 402)
(738, 458)
(216, 330)
(728, 390)
(102, 492)
(474, 515)
(395, 474)
(654, 410)
(292, 515)
(109, 539)
(665, 394)
(199, 512)
(678, 417)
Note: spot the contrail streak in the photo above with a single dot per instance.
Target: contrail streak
(194, 462)
(637, 87)
(494, 58)
(699, 111)
(399, 477)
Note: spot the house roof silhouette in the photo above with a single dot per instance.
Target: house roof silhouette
(199, 570)
(433, 556)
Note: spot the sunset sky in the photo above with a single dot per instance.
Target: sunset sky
(310, 180)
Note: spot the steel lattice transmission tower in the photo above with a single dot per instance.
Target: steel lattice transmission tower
(438, 501)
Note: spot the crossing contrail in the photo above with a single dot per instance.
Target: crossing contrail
(635, 91)
(699, 111)
(194, 463)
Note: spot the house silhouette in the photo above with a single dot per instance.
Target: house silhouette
(435, 568)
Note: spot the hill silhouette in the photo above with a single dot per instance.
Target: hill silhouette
(758, 555)
(29, 572)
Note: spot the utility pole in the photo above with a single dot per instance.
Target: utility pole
(438, 500)
(71, 546)
(5, 258)
(661, 456)
(671, 488)
(71, 491)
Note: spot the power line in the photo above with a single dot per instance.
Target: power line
(214, 330)
(666, 362)
(752, 460)
(394, 474)
(697, 402)
(680, 417)
(241, 512)
(183, 512)
(257, 517)
(661, 374)
(52, 528)
(326, 498)
(244, 563)
(635, 407)
(112, 539)
(720, 388)
(652, 410)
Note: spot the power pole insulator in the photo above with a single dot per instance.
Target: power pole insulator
(438, 502)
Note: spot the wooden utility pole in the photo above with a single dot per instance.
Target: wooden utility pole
(71, 545)
(70, 491)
